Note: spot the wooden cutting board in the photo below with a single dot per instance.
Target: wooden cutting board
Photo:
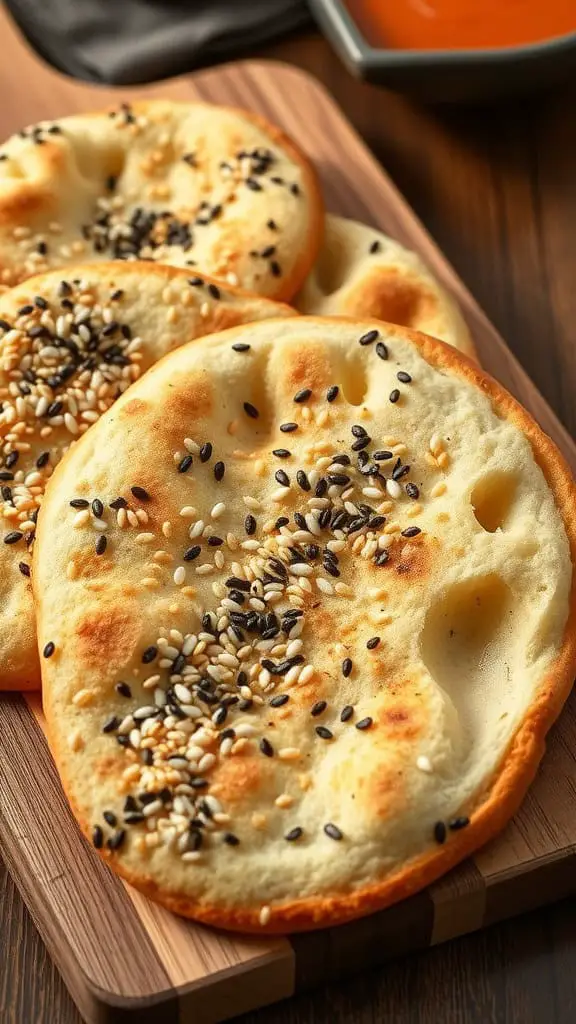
(121, 956)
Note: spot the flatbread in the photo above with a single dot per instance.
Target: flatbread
(67, 349)
(373, 740)
(361, 272)
(189, 184)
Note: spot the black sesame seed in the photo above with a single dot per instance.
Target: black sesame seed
(346, 667)
(373, 642)
(382, 456)
(346, 713)
(411, 531)
(97, 507)
(288, 428)
(282, 478)
(13, 537)
(368, 338)
(12, 459)
(118, 503)
(281, 453)
(360, 444)
(220, 716)
(42, 460)
(219, 470)
(318, 708)
(412, 491)
(134, 818)
(192, 553)
(206, 452)
(251, 410)
(275, 268)
(440, 832)
(110, 818)
(302, 480)
(149, 654)
(97, 837)
(381, 350)
(376, 522)
(250, 525)
(339, 479)
(266, 747)
(394, 396)
(140, 493)
(240, 346)
(332, 393)
(111, 724)
(253, 184)
(147, 757)
(303, 395)
(230, 839)
(358, 430)
(101, 544)
(213, 290)
(382, 557)
(123, 689)
(364, 723)
(404, 377)
(321, 488)
(115, 841)
(457, 823)
(375, 247)
(24, 568)
(294, 834)
(185, 463)
(324, 733)
(279, 700)
(333, 831)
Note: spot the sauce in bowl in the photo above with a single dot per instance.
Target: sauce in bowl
(461, 24)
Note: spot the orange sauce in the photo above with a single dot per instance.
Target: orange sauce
(461, 24)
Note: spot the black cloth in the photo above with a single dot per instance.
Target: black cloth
(127, 42)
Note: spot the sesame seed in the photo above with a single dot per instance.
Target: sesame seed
(394, 396)
(266, 747)
(332, 393)
(318, 708)
(13, 537)
(240, 346)
(346, 667)
(279, 700)
(411, 531)
(97, 837)
(404, 377)
(333, 831)
(373, 642)
(250, 525)
(281, 453)
(363, 724)
(303, 395)
(323, 732)
(123, 689)
(140, 493)
(192, 553)
(24, 568)
(49, 649)
(219, 470)
(251, 410)
(206, 452)
(381, 350)
(393, 489)
(282, 478)
(457, 823)
(412, 491)
(293, 834)
(101, 544)
(424, 764)
(374, 247)
(79, 503)
(440, 832)
(346, 713)
(116, 840)
(230, 839)
(368, 338)
(288, 428)
(185, 463)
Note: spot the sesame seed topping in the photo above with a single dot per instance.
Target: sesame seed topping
(318, 708)
(251, 410)
(49, 649)
(346, 713)
(457, 823)
(363, 724)
(333, 831)
(440, 832)
(404, 377)
(303, 395)
(140, 493)
(240, 346)
(294, 834)
(368, 338)
(381, 350)
(346, 667)
(219, 470)
(394, 396)
(323, 732)
(101, 544)
(288, 428)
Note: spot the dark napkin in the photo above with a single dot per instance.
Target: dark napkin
(127, 42)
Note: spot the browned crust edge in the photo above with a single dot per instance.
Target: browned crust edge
(519, 764)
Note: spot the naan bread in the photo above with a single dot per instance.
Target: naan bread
(67, 349)
(361, 272)
(321, 672)
(189, 184)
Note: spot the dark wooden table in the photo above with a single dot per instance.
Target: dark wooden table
(496, 186)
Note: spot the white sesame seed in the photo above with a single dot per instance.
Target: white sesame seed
(264, 915)
(218, 509)
(197, 529)
(393, 488)
(324, 585)
(301, 569)
(252, 503)
(81, 518)
(179, 575)
(144, 538)
(152, 808)
(306, 674)
(206, 762)
(99, 525)
(280, 494)
(424, 764)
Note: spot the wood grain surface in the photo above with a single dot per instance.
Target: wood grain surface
(474, 204)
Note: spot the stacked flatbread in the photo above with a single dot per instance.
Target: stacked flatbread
(304, 588)
(318, 668)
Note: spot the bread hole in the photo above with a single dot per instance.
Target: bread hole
(331, 269)
(253, 389)
(492, 499)
(473, 644)
(353, 380)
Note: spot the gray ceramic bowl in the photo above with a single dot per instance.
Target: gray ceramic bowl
(447, 75)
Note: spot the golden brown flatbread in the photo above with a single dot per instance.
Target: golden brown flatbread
(189, 184)
(318, 669)
(68, 348)
(361, 272)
